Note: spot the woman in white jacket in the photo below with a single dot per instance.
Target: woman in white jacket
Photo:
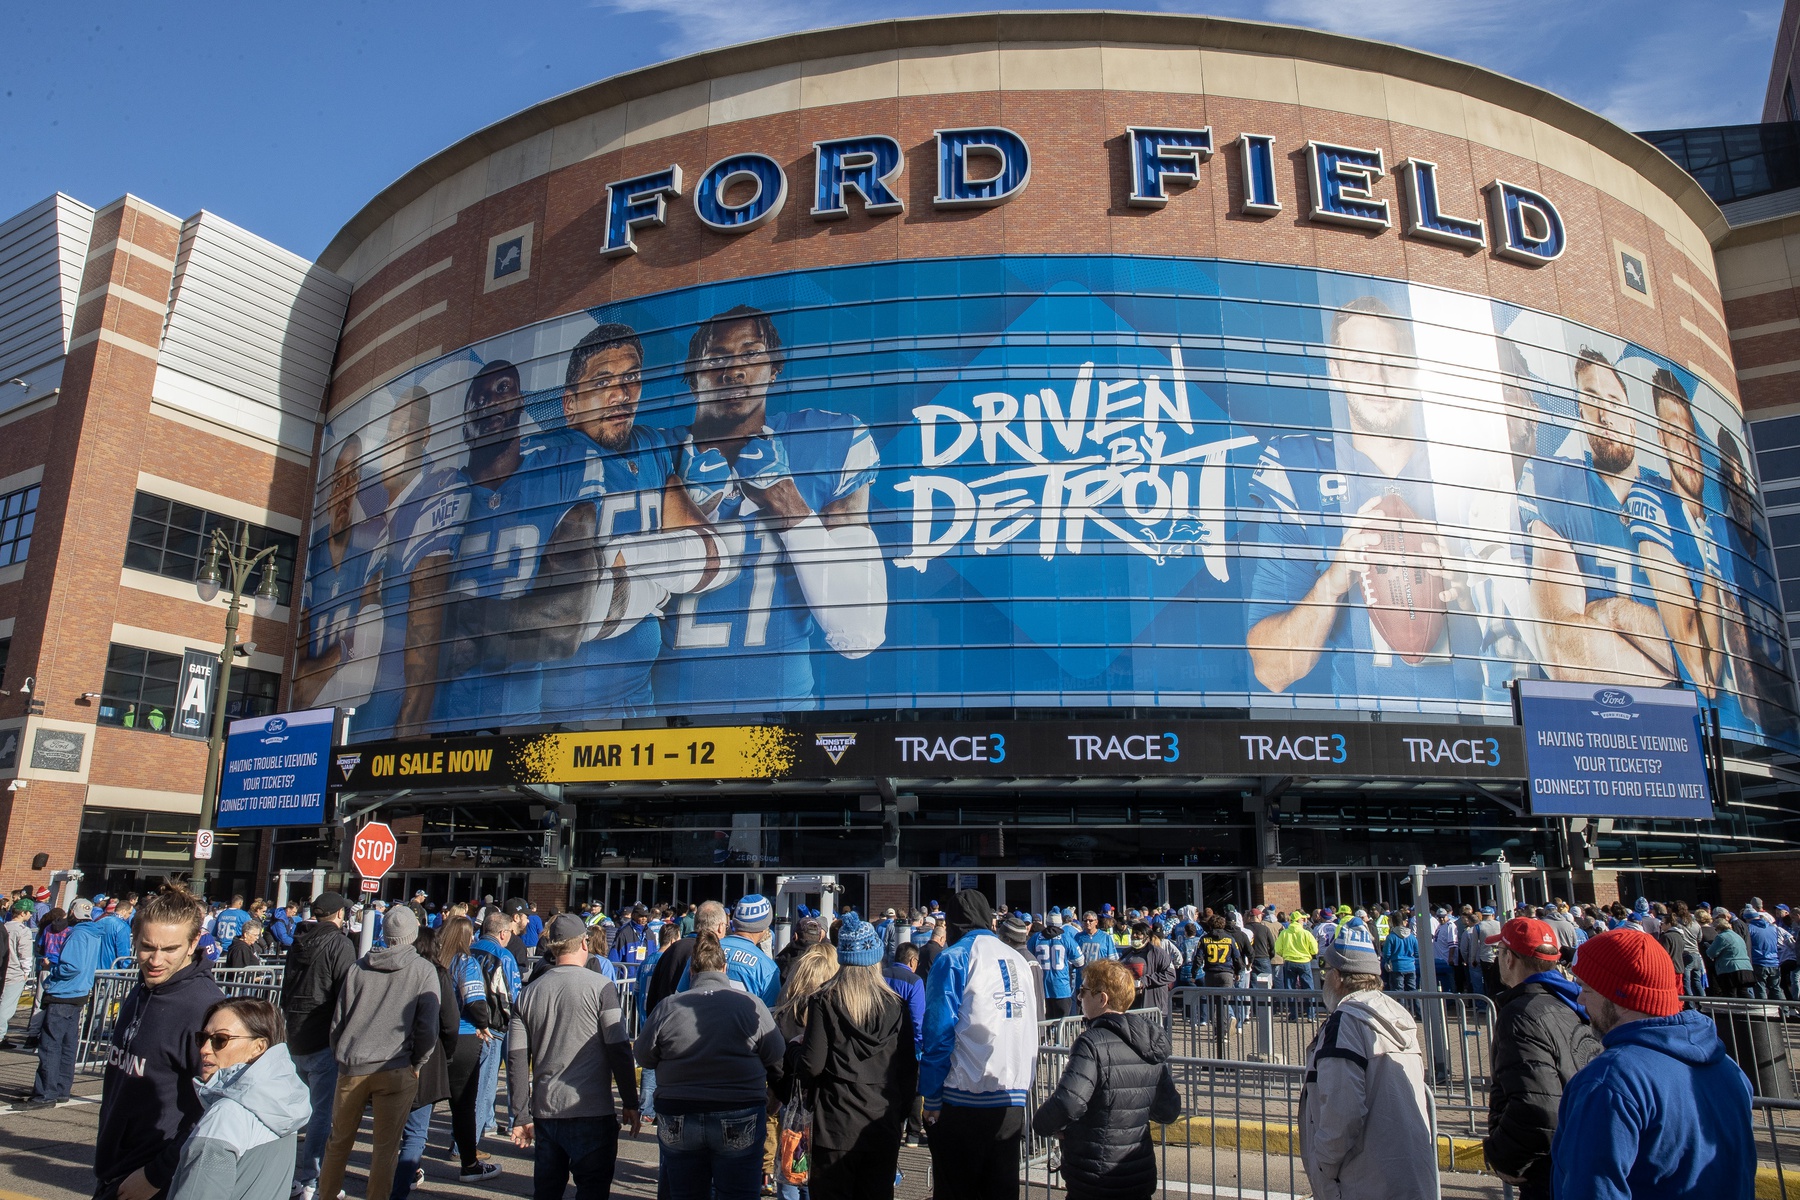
(255, 1102)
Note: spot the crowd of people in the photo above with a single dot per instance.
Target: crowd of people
(802, 1072)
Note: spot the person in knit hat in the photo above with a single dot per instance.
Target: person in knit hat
(1365, 1118)
(857, 1059)
(1662, 1111)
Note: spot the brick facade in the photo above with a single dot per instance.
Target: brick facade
(92, 443)
(1076, 202)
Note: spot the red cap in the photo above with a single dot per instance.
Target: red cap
(1528, 938)
(1630, 968)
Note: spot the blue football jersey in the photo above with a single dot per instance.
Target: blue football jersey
(508, 527)
(426, 518)
(1306, 485)
(1057, 953)
(1655, 513)
(610, 677)
(746, 647)
(333, 592)
(1573, 499)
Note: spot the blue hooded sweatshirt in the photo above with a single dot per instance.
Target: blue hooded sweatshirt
(1661, 1114)
(1765, 946)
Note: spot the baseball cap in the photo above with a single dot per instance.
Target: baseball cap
(889, 913)
(565, 927)
(638, 910)
(326, 903)
(514, 905)
(1630, 968)
(82, 909)
(1487, 910)
(1528, 938)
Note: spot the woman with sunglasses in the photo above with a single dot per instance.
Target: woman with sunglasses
(255, 1105)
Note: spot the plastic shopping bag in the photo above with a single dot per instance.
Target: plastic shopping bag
(794, 1160)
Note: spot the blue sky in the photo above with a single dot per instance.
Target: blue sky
(287, 118)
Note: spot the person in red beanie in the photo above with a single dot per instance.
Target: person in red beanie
(1662, 1113)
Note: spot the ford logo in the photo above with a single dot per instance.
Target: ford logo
(1613, 698)
(275, 725)
(58, 745)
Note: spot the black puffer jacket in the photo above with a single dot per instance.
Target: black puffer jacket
(1117, 1081)
(1540, 1041)
(322, 955)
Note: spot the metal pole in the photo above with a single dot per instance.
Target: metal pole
(215, 742)
(239, 564)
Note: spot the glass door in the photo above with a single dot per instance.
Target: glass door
(1183, 890)
(1022, 893)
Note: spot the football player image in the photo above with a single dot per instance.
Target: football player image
(1754, 634)
(340, 619)
(567, 630)
(798, 482)
(1353, 566)
(1598, 624)
(419, 531)
(1676, 542)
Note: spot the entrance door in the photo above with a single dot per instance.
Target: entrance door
(1020, 892)
(1183, 890)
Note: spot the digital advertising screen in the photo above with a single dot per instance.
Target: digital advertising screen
(1614, 751)
(275, 770)
(1055, 482)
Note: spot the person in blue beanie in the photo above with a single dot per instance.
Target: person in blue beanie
(1662, 1113)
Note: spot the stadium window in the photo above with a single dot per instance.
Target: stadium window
(5, 653)
(169, 538)
(139, 691)
(18, 515)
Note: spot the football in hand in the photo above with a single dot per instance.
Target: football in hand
(1402, 587)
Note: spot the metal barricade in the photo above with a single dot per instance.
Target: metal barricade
(1777, 1148)
(112, 986)
(1237, 1135)
(1762, 1037)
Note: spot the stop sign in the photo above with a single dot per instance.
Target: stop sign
(372, 853)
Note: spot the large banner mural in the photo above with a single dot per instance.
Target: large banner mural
(1012, 482)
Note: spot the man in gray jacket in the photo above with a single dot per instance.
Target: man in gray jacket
(384, 1026)
(1365, 1117)
(565, 1050)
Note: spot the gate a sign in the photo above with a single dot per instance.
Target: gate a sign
(193, 712)
(372, 854)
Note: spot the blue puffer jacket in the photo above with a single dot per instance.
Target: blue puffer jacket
(1661, 1114)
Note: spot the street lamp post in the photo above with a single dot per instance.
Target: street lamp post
(227, 563)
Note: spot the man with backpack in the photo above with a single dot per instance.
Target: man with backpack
(500, 974)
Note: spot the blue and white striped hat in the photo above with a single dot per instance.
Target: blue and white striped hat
(753, 914)
(1353, 950)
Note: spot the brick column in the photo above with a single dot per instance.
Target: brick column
(68, 599)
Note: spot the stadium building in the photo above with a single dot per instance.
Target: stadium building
(1095, 457)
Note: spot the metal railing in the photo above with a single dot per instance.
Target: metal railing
(1762, 1037)
(1238, 1134)
(112, 986)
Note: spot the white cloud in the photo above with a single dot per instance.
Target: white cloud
(705, 24)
